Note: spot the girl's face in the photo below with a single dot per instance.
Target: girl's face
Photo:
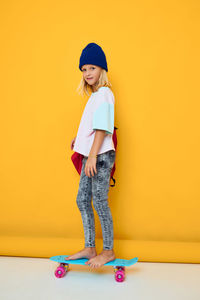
(91, 74)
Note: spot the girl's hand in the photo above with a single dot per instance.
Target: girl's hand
(72, 143)
(90, 166)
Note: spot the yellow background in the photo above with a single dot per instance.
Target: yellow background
(152, 50)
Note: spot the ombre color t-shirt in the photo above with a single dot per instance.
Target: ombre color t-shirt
(98, 114)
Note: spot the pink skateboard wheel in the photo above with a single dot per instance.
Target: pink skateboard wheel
(119, 276)
(60, 271)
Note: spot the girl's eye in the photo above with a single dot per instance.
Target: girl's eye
(85, 69)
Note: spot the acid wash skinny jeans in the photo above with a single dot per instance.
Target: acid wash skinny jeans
(96, 187)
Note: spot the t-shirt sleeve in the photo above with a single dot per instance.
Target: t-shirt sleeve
(103, 117)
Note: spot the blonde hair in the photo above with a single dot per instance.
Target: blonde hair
(84, 87)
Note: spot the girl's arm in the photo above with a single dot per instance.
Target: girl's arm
(90, 166)
(98, 140)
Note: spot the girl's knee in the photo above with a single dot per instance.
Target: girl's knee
(80, 202)
(83, 202)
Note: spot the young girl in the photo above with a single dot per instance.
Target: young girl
(94, 142)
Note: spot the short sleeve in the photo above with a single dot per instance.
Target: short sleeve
(103, 117)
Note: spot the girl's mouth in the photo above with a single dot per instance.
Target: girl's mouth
(89, 78)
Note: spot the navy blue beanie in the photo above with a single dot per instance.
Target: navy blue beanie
(94, 55)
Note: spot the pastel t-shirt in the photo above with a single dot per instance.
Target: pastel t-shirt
(98, 114)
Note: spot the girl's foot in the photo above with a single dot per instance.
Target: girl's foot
(104, 257)
(88, 252)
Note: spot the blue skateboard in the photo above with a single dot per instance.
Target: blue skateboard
(118, 264)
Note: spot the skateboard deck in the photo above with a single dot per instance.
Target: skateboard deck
(118, 264)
